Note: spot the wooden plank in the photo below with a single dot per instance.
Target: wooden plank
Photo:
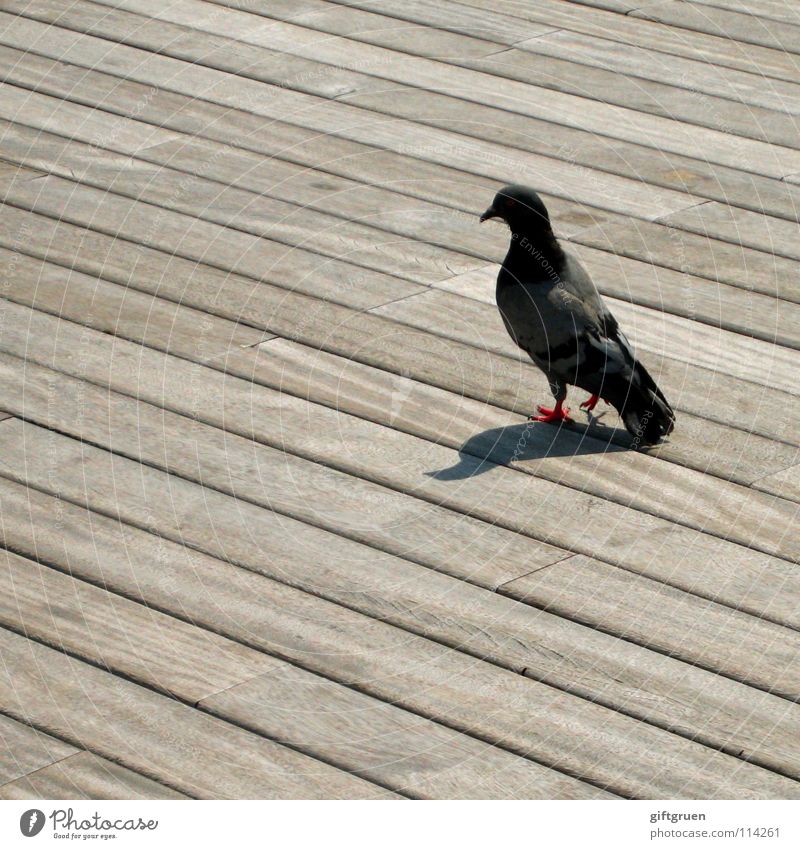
(629, 30)
(566, 70)
(141, 644)
(717, 501)
(477, 697)
(45, 151)
(477, 622)
(565, 67)
(603, 596)
(484, 557)
(254, 223)
(415, 177)
(565, 516)
(723, 23)
(423, 532)
(380, 742)
(759, 409)
(200, 241)
(25, 750)
(562, 178)
(345, 583)
(51, 151)
(733, 275)
(710, 348)
(741, 310)
(737, 455)
(217, 197)
(188, 281)
(697, 254)
(197, 754)
(552, 73)
(745, 227)
(86, 776)
(418, 757)
(785, 483)
(398, 520)
(776, 10)
(697, 76)
(736, 357)
(438, 21)
(608, 120)
(611, 120)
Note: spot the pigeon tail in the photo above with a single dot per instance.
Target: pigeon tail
(642, 406)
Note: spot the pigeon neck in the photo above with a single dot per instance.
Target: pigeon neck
(533, 252)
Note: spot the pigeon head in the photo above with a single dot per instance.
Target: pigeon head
(521, 208)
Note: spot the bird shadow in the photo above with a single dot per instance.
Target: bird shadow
(531, 441)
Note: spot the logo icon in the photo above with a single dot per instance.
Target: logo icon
(31, 822)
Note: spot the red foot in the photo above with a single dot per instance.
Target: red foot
(556, 414)
(591, 403)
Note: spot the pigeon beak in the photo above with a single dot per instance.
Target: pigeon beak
(491, 212)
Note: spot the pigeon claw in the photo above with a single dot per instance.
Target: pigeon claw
(554, 414)
(590, 403)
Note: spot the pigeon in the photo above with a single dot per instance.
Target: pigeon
(554, 313)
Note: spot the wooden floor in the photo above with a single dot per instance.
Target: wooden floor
(274, 523)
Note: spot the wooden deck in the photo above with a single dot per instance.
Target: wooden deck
(274, 524)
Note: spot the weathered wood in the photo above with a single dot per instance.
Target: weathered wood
(564, 516)
(785, 483)
(564, 67)
(697, 254)
(470, 694)
(737, 455)
(557, 69)
(742, 310)
(25, 750)
(484, 624)
(438, 22)
(141, 644)
(723, 23)
(776, 10)
(561, 179)
(489, 556)
(742, 358)
(86, 776)
(415, 176)
(759, 409)
(556, 177)
(197, 754)
(610, 120)
(392, 589)
(568, 77)
(745, 227)
(698, 77)
(245, 234)
(297, 501)
(724, 52)
(642, 610)
(482, 157)
(681, 294)
(473, 320)
(381, 742)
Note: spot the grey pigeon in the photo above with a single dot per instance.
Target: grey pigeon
(553, 311)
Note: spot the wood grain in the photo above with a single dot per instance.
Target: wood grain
(376, 657)
(86, 776)
(196, 754)
(426, 471)
(577, 659)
